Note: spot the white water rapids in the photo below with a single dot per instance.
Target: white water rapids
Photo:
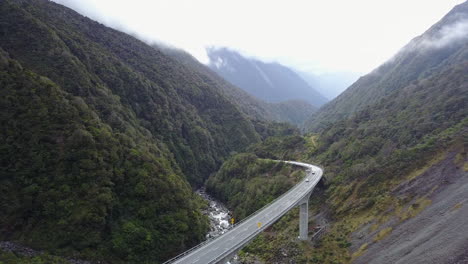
(219, 216)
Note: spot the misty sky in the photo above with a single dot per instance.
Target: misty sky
(311, 35)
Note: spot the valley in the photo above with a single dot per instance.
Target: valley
(222, 248)
(114, 149)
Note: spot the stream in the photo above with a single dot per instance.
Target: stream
(219, 217)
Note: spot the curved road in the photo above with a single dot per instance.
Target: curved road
(226, 245)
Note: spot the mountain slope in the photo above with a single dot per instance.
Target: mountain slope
(443, 44)
(90, 60)
(69, 181)
(396, 174)
(101, 135)
(271, 82)
(292, 111)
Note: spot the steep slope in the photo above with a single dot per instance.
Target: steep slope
(89, 60)
(443, 44)
(69, 181)
(292, 111)
(396, 175)
(271, 82)
(101, 134)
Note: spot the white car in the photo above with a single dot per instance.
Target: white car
(307, 180)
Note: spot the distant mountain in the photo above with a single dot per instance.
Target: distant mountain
(271, 82)
(443, 45)
(394, 151)
(329, 84)
(290, 111)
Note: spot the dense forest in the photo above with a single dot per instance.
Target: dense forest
(246, 183)
(104, 137)
(294, 112)
(70, 182)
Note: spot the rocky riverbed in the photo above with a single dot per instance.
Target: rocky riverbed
(220, 218)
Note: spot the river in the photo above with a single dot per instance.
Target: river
(220, 218)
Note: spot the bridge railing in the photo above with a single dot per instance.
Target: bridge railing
(210, 240)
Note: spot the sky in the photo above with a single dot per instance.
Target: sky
(318, 36)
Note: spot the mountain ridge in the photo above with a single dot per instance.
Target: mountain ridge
(271, 82)
(102, 135)
(411, 63)
(291, 111)
(396, 165)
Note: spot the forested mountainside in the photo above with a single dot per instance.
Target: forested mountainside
(393, 171)
(89, 60)
(396, 175)
(440, 46)
(104, 137)
(291, 111)
(246, 176)
(271, 82)
(101, 136)
(72, 182)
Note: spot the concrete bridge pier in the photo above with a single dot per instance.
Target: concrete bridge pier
(304, 217)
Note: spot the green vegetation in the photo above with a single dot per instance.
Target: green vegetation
(365, 162)
(71, 182)
(412, 64)
(124, 81)
(368, 153)
(246, 183)
(101, 136)
(292, 111)
(12, 258)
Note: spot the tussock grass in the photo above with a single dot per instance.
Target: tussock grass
(382, 234)
(438, 158)
(359, 252)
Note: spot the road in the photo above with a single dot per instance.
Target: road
(229, 243)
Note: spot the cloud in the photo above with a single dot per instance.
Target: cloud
(448, 34)
(315, 36)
